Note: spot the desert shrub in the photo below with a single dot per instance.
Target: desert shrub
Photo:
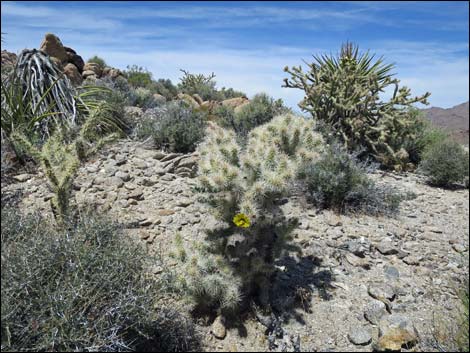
(82, 289)
(445, 163)
(244, 185)
(199, 84)
(138, 76)
(227, 93)
(343, 92)
(144, 98)
(165, 88)
(338, 180)
(261, 109)
(205, 87)
(174, 127)
(97, 60)
(421, 135)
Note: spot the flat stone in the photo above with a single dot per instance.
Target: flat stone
(391, 272)
(412, 260)
(359, 336)
(22, 177)
(459, 248)
(135, 195)
(357, 261)
(381, 292)
(124, 176)
(386, 248)
(166, 212)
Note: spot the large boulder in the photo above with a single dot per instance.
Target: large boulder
(8, 59)
(52, 46)
(71, 71)
(74, 58)
(235, 102)
(189, 100)
(94, 67)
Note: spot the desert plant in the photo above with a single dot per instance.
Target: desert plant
(174, 127)
(244, 186)
(37, 95)
(445, 163)
(343, 92)
(258, 111)
(144, 98)
(82, 289)
(339, 180)
(137, 76)
(97, 60)
(60, 157)
(165, 88)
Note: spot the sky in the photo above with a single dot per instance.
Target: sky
(247, 44)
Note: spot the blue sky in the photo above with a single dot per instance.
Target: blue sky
(247, 44)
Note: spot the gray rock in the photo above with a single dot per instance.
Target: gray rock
(359, 336)
(412, 260)
(395, 331)
(124, 176)
(374, 311)
(218, 328)
(391, 272)
(381, 292)
(386, 248)
(459, 248)
(22, 177)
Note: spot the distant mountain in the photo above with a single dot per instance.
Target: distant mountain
(454, 120)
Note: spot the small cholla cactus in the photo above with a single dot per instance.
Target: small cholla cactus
(248, 180)
(243, 185)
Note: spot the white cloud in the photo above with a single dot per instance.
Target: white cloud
(439, 67)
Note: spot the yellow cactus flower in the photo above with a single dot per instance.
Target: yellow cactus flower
(241, 220)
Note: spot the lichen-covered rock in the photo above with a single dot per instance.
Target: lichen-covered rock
(71, 71)
(8, 59)
(94, 67)
(52, 46)
(396, 331)
(74, 58)
(235, 102)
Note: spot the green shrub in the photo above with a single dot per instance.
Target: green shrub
(174, 127)
(261, 109)
(205, 87)
(244, 185)
(339, 181)
(445, 163)
(421, 135)
(137, 76)
(165, 88)
(82, 289)
(97, 60)
(343, 92)
(144, 98)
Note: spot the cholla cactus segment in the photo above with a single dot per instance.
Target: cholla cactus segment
(263, 169)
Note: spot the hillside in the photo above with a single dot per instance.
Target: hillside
(453, 119)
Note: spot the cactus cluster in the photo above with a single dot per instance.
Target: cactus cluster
(248, 180)
(244, 186)
(343, 93)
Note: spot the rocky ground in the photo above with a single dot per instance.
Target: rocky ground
(360, 282)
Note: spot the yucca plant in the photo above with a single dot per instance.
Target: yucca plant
(38, 99)
(37, 94)
(343, 93)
